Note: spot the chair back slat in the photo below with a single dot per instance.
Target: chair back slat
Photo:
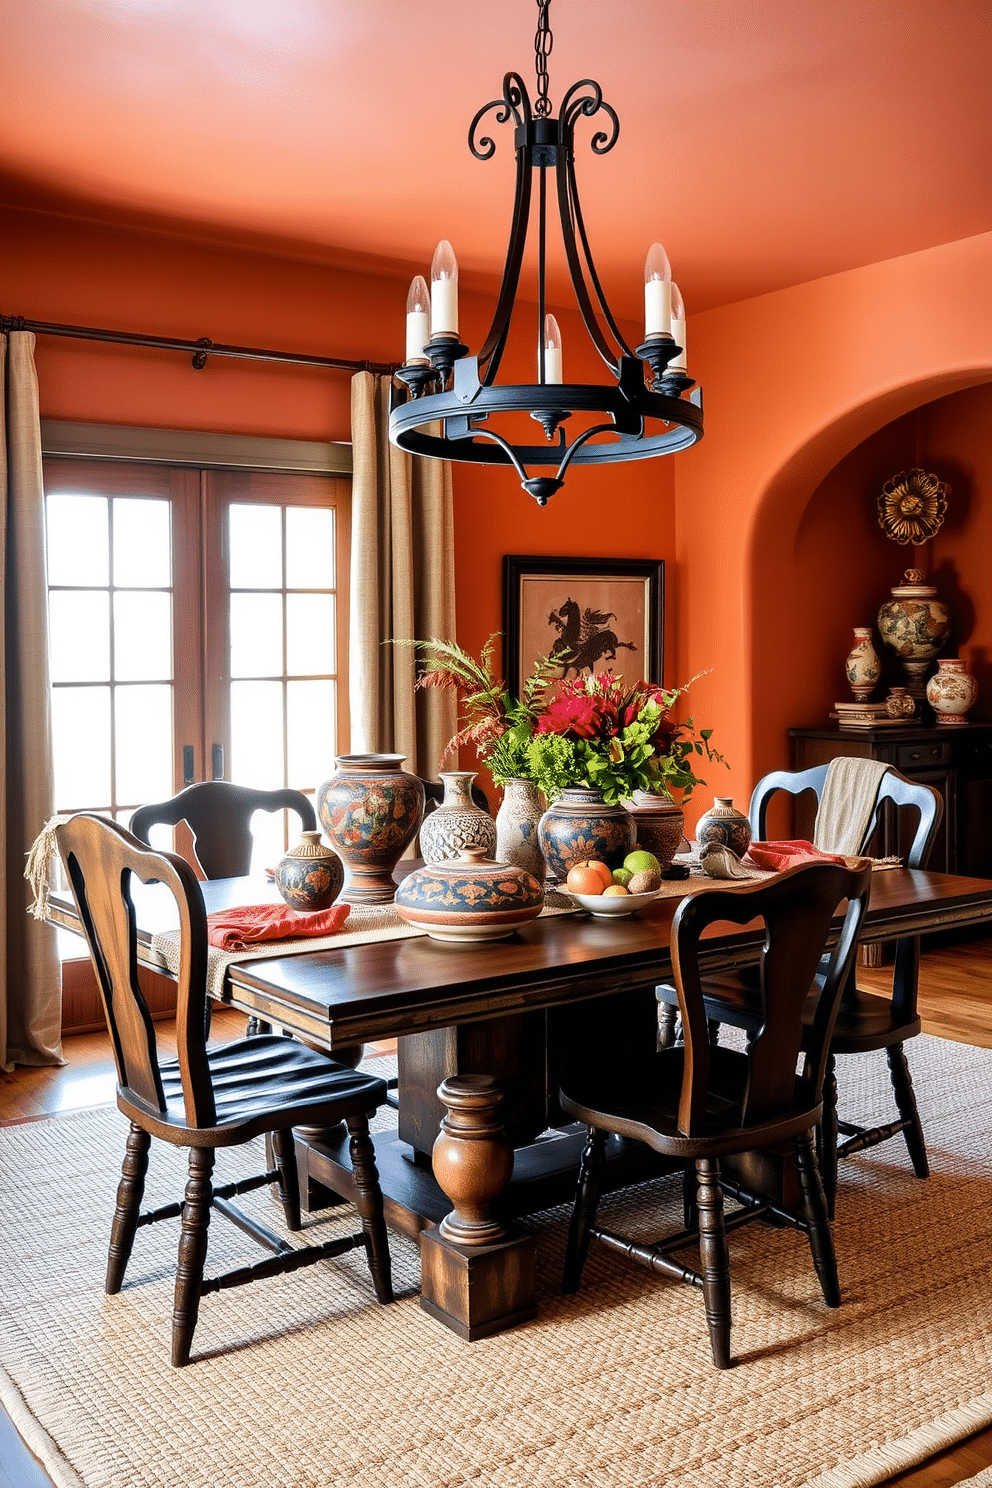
(797, 909)
(219, 815)
(100, 858)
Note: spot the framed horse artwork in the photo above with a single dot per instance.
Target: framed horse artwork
(587, 615)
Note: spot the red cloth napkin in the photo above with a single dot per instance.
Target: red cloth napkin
(778, 856)
(237, 929)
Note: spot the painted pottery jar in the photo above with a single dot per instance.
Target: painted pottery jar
(371, 810)
(951, 691)
(469, 898)
(310, 876)
(457, 823)
(862, 667)
(517, 820)
(580, 826)
(899, 704)
(724, 825)
(914, 624)
(659, 824)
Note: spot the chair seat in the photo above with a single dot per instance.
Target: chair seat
(264, 1083)
(641, 1100)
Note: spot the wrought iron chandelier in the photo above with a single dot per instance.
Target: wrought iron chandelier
(641, 414)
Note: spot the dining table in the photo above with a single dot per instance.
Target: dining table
(483, 1030)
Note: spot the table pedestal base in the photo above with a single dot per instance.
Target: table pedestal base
(480, 1290)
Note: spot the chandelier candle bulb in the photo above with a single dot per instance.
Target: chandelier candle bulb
(678, 330)
(657, 292)
(418, 320)
(444, 291)
(552, 350)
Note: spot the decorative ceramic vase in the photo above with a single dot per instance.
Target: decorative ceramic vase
(469, 898)
(457, 823)
(899, 704)
(951, 691)
(310, 876)
(724, 825)
(914, 624)
(659, 824)
(862, 667)
(370, 810)
(517, 820)
(579, 826)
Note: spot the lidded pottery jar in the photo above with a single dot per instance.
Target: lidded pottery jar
(862, 667)
(310, 876)
(914, 624)
(724, 825)
(659, 823)
(469, 898)
(951, 691)
(517, 820)
(580, 826)
(370, 810)
(457, 823)
(899, 704)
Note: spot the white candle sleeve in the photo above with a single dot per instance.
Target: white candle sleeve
(444, 307)
(657, 307)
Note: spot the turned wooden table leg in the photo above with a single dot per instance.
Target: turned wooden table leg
(477, 1275)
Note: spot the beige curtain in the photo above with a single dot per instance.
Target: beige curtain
(402, 586)
(30, 986)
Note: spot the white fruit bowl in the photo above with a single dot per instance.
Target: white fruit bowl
(613, 906)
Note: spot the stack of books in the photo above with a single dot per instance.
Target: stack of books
(865, 715)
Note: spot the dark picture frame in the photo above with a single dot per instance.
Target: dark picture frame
(599, 613)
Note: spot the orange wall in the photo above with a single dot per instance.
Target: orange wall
(794, 381)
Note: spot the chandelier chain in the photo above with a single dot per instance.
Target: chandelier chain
(543, 42)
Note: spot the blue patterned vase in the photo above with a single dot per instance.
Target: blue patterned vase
(580, 826)
(310, 876)
(370, 810)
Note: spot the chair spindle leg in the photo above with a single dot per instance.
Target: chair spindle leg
(666, 1026)
(826, 1136)
(130, 1192)
(284, 1152)
(584, 1209)
(192, 1252)
(714, 1259)
(902, 1086)
(368, 1200)
(821, 1241)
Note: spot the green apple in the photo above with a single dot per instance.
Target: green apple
(642, 862)
(622, 876)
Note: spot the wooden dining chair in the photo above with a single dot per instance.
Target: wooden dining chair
(207, 1098)
(699, 1103)
(865, 1020)
(219, 815)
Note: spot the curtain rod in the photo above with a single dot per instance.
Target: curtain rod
(199, 350)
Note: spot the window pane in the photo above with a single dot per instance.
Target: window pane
(256, 635)
(144, 743)
(142, 545)
(309, 634)
(311, 709)
(309, 548)
(79, 635)
(268, 838)
(255, 546)
(142, 636)
(256, 734)
(81, 739)
(78, 548)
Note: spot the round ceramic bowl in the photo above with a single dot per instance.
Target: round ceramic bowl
(468, 898)
(614, 906)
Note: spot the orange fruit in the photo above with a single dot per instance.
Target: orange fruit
(605, 873)
(583, 879)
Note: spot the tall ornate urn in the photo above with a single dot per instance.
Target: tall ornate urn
(914, 624)
(371, 810)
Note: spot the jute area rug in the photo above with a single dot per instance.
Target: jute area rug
(304, 1382)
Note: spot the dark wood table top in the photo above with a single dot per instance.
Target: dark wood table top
(390, 988)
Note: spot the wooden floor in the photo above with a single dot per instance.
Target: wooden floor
(955, 1003)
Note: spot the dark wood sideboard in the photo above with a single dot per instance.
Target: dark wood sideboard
(956, 759)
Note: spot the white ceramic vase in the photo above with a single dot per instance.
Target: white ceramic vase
(862, 667)
(517, 819)
(951, 691)
(457, 825)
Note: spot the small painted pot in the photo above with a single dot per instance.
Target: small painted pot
(862, 667)
(724, 825)
(370, 810)
(951, 691)
(310, 876)
(580, 826)
(469, 898)
(457, 823)
(899, 704)
(659, 824)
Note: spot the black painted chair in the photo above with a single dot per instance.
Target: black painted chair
(700, 1103)
(219, 815)
(207, 1098)
(865, 1021)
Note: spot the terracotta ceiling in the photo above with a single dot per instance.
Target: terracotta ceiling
(765, 142)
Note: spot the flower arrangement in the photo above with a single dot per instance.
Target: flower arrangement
(594, 730)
